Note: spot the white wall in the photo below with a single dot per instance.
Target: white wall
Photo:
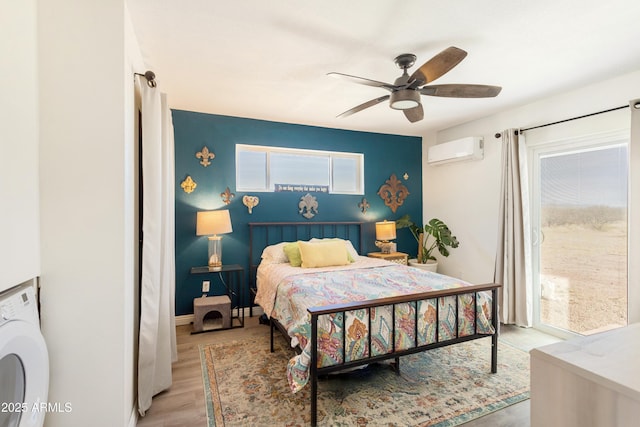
(466, 195)
(19, 221)
(133, 64)
(87, 209)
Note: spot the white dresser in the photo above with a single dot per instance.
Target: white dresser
(588, 381)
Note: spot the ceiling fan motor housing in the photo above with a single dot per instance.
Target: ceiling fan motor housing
(404, 99)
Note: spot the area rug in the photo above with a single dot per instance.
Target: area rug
(245, 385)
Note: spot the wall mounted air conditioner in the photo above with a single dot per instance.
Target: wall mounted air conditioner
(470, 148)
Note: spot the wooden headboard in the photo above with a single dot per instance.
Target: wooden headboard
(263, 234)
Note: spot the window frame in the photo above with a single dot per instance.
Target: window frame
(331, 155)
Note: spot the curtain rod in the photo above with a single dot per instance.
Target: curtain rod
(636, 105)
(150, 76)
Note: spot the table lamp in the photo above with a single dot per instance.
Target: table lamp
(211, 224)
(385, 231)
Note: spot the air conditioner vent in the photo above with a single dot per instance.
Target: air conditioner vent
(470, 148)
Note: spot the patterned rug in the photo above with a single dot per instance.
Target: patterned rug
(245, 385)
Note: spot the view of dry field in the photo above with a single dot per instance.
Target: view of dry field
(583, 271)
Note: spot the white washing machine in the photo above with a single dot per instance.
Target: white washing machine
(24, 361)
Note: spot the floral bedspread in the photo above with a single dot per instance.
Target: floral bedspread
(296, 293)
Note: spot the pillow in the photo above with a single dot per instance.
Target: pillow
(323, 254)
(292, 251)
(353, 254)
(351, 251)
(275, 253)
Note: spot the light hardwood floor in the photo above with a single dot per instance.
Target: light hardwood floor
(183, 404)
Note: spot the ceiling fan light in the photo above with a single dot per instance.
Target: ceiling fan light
(404, 99)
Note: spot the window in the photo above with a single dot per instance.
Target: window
(264, 169)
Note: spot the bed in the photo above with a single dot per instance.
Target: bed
(341, 310)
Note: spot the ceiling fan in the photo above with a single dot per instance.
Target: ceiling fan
(406, 90)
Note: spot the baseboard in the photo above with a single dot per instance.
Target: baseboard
(257, 311)
(187, 319)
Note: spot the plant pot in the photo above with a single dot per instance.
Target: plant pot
(430, 265)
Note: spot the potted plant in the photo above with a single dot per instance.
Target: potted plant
(434, 234)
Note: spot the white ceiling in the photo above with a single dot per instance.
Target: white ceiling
(269, 59)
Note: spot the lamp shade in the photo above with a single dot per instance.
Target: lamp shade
(209, 223)
(385, 230)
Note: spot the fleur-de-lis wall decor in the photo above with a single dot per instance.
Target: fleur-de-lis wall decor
(393, 192)
(364, 205)
(308, 206)
(188, 185)
(205, 155)
(227, 195)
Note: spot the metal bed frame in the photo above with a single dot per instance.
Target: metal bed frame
(275, 232)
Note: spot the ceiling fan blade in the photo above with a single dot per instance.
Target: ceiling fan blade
(362, 80)
(461, 91)
(363, 106)
(437, 66)
(414, 114)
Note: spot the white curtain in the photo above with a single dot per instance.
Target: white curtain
(157, 344)
(513, 268)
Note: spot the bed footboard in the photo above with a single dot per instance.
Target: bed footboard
(394, 353)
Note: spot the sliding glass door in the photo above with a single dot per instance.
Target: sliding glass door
(580, 234)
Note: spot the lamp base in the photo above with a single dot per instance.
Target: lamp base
(386, 247)
(215, 253)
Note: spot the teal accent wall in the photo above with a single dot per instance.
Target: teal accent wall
(383, 155)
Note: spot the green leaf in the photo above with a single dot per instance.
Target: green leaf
(442, 235)
(404, 222)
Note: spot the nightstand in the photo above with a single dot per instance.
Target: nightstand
(232, 277)
(397, 257)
